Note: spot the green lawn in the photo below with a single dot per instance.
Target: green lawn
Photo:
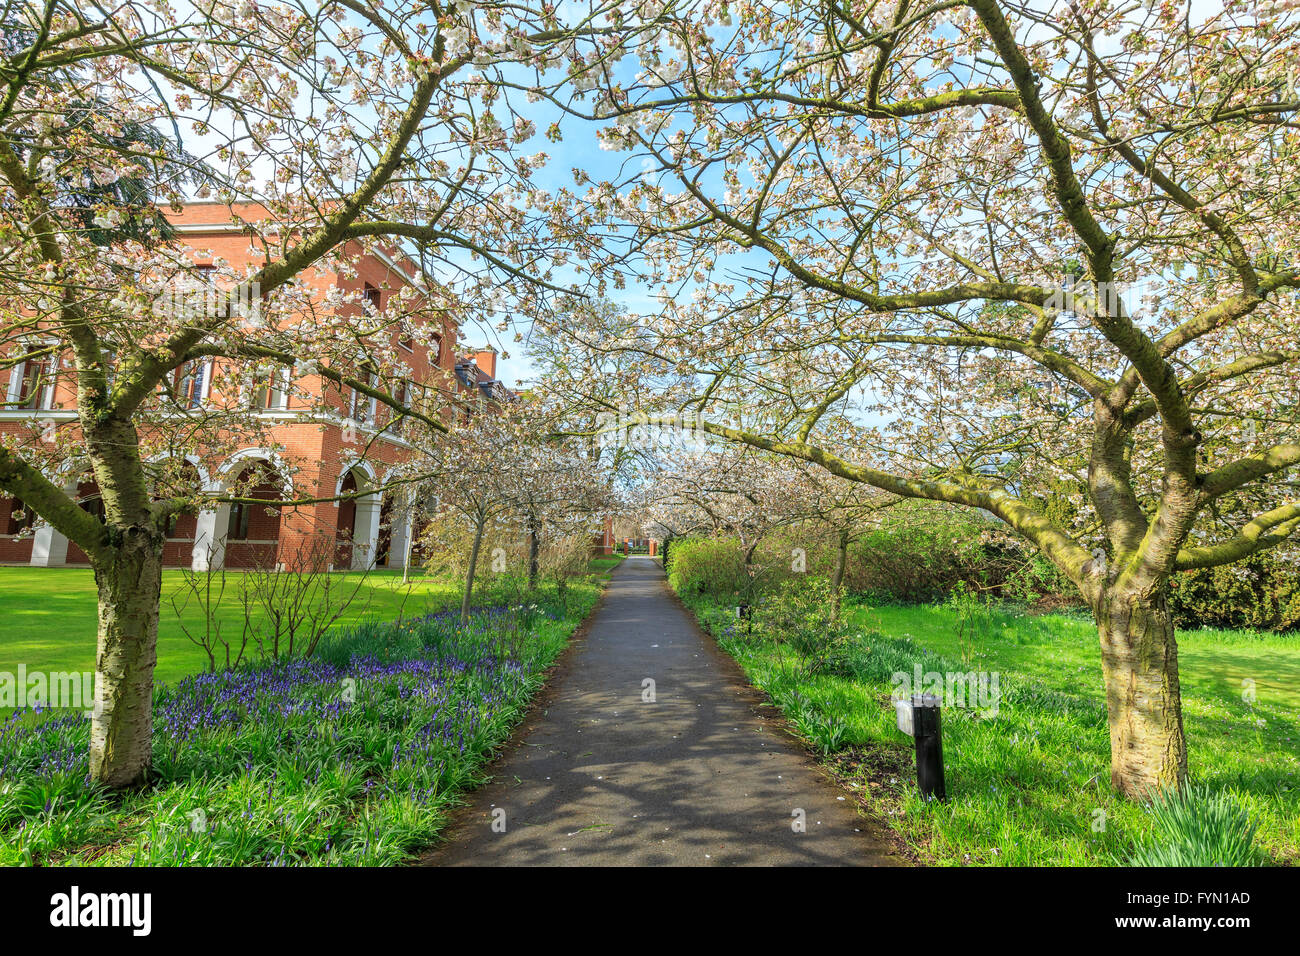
(48, 615)
(1061, 651)
(607, 564)
(1031, 786)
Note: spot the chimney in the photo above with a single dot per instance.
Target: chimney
(486, 359)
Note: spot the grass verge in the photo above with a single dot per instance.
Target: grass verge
(1030, 786)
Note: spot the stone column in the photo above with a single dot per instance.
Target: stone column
(365, 540)
(49, 547)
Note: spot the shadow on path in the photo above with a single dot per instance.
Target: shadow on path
(695, 778)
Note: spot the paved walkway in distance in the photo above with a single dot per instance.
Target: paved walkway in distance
(696, 778)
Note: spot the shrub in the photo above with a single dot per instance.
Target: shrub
(918, 553)
(972, 616)
(922, 553)
(565, 559)
(447, 540)
(802, 614)
(285, 613)
(714, 566)
(1196, 826)
(1260, 593)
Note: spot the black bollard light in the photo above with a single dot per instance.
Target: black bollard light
(927, 731)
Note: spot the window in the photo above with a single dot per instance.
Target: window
(19, 518)
(373, 297)
(271, 393)
(237, 529)
(35, 383)
(405, 396)
(435, 350)
(191, 383)
(94, 506)
(364, 408)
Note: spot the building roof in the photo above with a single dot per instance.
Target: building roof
(473, 376)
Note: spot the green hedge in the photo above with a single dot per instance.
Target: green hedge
(1260, 593)
(713, 566)
(922, 553)
(916, 555)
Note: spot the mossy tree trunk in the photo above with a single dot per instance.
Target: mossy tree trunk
(129, 587)
(534, 547)
(1139, 655)
(480, 523)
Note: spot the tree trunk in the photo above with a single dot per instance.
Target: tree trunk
(1140, 664)
(469, 573)
(121, 729)
(841, 560)
(406, 557)
(534, 546)
(837, 579)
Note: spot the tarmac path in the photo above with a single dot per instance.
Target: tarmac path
(700, 776)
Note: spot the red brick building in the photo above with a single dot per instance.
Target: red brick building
(602, 545)
(309, 457)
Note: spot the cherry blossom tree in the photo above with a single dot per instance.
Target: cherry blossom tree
(985, 253)
(740, 491)
(842, 509)
(347, 128)
(507, 466)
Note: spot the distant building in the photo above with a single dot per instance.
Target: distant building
(602, 545)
